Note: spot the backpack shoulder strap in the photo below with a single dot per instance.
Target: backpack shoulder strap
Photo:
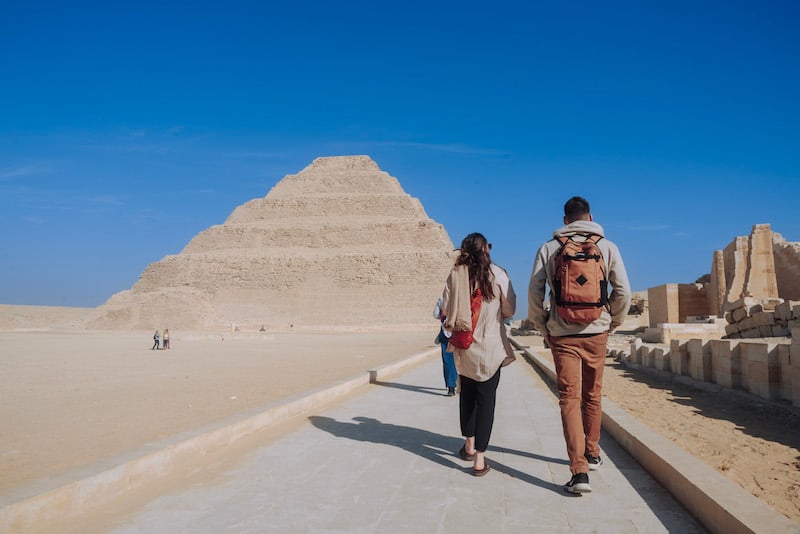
(594, 238)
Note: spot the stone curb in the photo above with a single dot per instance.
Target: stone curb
(719, 504)
(41, 509)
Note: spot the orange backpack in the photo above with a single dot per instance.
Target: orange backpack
(581, 285)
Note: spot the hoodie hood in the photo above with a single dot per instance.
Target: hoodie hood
(580, 227)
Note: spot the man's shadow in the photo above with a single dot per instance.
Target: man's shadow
(429, 445)
(416, 389)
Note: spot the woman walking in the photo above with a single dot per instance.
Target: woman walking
(478, 364)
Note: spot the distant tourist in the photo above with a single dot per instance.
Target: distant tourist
(166, 338)
(579, 265)
(448, 360)
(478, 341)
(156, 340)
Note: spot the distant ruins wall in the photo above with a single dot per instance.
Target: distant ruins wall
(663, 305)
(748, 269)
(787, 267)
(762, 267)
(674, 303)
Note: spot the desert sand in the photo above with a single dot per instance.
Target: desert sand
(754, 443)
(70, 398)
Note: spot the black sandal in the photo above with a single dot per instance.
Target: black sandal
(462, 453)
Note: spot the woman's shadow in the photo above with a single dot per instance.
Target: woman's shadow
(429, 445)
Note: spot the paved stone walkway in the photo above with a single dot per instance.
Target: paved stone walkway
(384, 461)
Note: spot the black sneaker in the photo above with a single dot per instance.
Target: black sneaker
(451, 392)
(594, 461)
(579, 483)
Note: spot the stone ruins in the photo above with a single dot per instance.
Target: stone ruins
(739, 328)
(752, 274)
(338, 245)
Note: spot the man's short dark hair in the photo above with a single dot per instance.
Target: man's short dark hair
(576, 208)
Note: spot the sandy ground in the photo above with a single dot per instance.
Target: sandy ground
(755, 444)
(68, 399)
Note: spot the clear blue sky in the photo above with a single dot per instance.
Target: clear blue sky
(128, 127)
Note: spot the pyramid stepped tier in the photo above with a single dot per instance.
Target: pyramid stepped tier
(345, 174)
(221, 273)
(339, 244)
(267, 239)
(325, 206)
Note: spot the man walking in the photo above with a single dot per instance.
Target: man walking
(579, 264)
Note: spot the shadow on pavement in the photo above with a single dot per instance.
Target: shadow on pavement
(439, 392)
(429, 445)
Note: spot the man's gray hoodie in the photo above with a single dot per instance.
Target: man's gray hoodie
(549, 322)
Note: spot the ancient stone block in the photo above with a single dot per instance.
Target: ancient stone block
(726, 363)
(744, 302)
(780, 330)
(647, 356)
(692, 302)
(783, 311)
(785, 370)
(679, 357)
(739, 314)
(661, 359)
(794, 366)
(718, 284)
(699, 359)
(663, 304)
(761, 281)
(746, 324)
(763, 369)
(636, 351)
(764, 318)
(795, 371)
(732, 329)
(751, 333)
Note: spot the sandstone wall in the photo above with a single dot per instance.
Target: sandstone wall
(673, 303)
(768, 368)
(693, 301)
(762, 266)
(662, 303)
(787, 267)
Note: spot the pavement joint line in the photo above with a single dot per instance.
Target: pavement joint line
(716, 502)
(38, 508)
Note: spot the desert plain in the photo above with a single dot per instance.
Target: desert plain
(72, 397)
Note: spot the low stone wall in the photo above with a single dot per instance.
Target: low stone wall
(767, 367)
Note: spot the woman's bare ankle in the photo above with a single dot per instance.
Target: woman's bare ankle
(469, 445)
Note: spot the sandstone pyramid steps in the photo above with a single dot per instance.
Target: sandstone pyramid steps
(215, 273)
(327, 206)
(313, 235)
(338, 174)
(339, 244)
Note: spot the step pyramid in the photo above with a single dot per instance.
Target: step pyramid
(339, 244)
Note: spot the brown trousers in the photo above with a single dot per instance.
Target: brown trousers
(579, 368)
